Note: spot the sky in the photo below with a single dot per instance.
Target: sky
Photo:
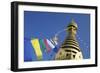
(46, 24)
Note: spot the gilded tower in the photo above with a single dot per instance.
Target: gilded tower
(70, 49)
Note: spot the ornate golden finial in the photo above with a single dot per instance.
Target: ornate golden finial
(72, 24)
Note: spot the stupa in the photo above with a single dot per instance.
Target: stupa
(70, 49)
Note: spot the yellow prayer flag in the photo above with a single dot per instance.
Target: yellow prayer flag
(36, 46)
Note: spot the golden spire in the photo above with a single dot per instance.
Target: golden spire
(70, 48)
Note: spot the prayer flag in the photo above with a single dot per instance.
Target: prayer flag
(42, 45)
(50, 44)
(47, 46)
(36, 46)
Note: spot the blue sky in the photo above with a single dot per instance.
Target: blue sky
(46, 24)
